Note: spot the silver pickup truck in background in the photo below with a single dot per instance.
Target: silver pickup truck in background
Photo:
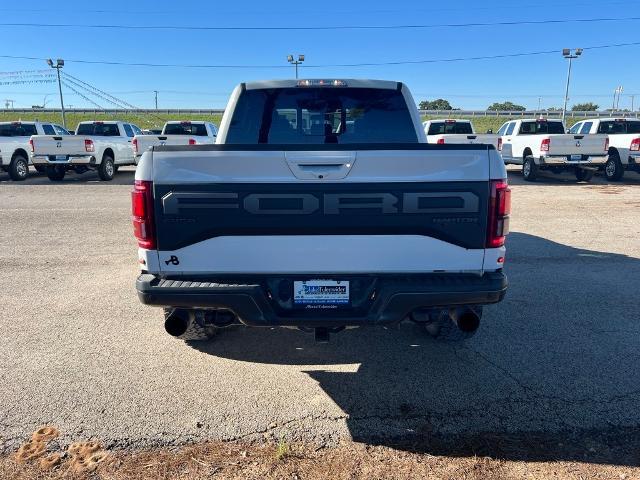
(176, 133)
(321, 206)
(99, 145)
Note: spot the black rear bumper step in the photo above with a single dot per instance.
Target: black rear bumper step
(393, 297)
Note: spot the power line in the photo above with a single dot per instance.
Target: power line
(321, 28)
(363, 64)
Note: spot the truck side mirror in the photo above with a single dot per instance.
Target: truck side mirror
(490, 130)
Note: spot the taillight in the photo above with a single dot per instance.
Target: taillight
(142, 214)
(606, 144)
(31, 145)
(192, 141)
(499, 210)
(499, 144)
(544, 146)
(440, 141)
(635, 144)
(134, 144)
(88, 145)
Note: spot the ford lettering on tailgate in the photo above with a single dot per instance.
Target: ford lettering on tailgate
(455, 212)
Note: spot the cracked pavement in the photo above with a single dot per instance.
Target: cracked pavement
(79, 351)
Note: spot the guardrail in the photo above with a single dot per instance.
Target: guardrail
(527, 113)
(437, 113)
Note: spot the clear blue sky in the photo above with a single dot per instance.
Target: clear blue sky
(467, 84)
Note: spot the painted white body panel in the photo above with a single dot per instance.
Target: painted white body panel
(323, 254)
(368, 166)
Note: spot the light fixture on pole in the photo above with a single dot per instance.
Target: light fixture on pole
(58, 65)
(294, 62)
(569, 54)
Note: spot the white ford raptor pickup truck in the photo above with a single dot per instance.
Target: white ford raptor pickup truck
(321, 206)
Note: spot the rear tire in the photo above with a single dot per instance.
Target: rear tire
(584, 175)
(613, 169)
(56, 172)
(106, 169)
(19, 168)
(529, 169)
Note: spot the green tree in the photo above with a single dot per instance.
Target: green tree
(585, 107)
(506, 106)
(439, 104)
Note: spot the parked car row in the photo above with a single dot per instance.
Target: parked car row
(103, 146)
(611, 145)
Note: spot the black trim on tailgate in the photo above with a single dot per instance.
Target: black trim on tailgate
(454, 212)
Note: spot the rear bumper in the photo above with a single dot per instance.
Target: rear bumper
(376, 300)
(71, 160)
(566, 160)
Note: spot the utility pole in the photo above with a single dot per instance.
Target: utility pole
(8, 102)
(569, 54)
(539, 104)
(291, 60)
(58, 65)
(156, 93)
(632, 99)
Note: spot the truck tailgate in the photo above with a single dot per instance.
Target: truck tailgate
(567, 144)
(239, 208)
(460, 138)
(51, 145)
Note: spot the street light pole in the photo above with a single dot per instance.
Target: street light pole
(297, 62)
(617, 93)
(570, 55)
(58, 65)
(156, 92)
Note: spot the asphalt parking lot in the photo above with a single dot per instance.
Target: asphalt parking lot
(558, 358)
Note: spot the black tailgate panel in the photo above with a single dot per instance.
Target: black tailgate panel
(455, 212)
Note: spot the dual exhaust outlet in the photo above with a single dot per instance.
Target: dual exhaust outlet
(202, 324)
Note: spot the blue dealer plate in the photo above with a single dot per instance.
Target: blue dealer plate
(321, 292)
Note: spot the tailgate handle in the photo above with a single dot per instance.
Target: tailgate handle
(57, 138)
(578, 137)
(322, 167)
(162, 138)
(471, 137)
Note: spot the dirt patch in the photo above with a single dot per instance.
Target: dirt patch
(236, 460)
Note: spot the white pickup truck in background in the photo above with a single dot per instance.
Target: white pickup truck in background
(542, 144)
(624, 143)
(103, 146)
(14, 145)
(176, 133)
(456, 131)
